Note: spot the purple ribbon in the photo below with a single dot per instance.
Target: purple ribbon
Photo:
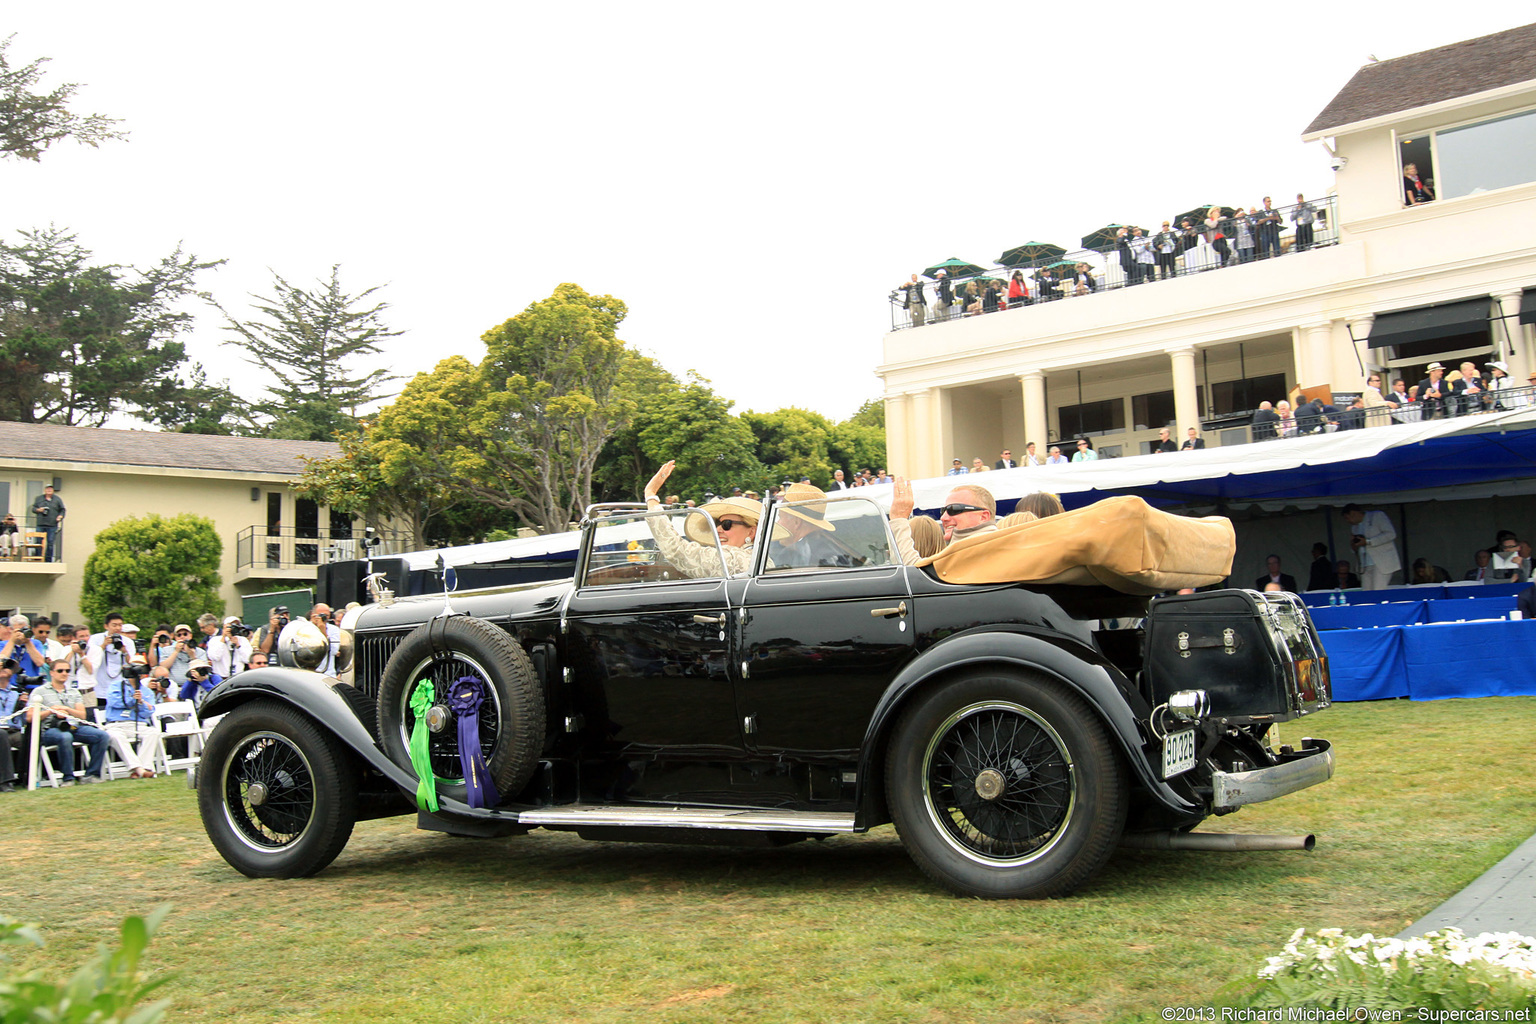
(464, 700)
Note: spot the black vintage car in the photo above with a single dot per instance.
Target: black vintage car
(1012, 736)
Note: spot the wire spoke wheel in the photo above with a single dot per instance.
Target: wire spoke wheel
(999, 782)
(1005, 786)
(269, 791)
(511, 731)
(444, 670)
(277, 794)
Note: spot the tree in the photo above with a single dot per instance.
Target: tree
(378, 482)
(204, 408)
(792, 444)
(31, 122)
(308, 339)
(522, 430)
(154, 569)
(80, 342)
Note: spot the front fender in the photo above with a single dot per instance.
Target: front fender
(311, 693)
(1091, 681)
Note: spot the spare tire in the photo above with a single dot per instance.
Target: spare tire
(511, 717)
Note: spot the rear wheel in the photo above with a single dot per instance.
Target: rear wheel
(278, 796)
(1005, 786)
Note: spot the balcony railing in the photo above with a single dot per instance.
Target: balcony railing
(1050, 280)
(271, 547)
(1242, 430)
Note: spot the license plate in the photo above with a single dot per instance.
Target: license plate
(1178, 753)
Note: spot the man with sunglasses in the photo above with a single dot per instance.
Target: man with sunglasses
(59, 711)
(968, 511)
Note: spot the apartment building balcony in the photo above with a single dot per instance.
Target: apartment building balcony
(296, 553)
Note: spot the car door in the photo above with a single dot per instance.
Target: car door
(648, 655)
(817, 646)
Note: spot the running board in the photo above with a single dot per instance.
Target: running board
(595, 815)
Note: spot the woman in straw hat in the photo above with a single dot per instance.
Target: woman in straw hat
(736, 522)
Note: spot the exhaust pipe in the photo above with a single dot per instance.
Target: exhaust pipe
(1222, 841)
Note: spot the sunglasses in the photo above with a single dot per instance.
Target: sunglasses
(960, 510)
(58, 670)
(730, 524)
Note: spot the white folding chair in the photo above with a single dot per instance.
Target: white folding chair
(115, 765)
(40, 760)
(177, 719)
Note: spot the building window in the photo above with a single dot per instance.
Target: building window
(1485, 156)
(1157, 409)
(1235, 396)
(1472, 158)
(1107, 417)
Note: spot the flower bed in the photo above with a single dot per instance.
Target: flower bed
(1443, 970)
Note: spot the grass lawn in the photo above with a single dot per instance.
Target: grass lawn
(415, 926)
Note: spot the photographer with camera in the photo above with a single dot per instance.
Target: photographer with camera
(201, 679)
(130, 720)
(320, 615)
(176, 652)
(228, 645)
(267, 635)
(29, 649)
(59, 711)
(106, 655)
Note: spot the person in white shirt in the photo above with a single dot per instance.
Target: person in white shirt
(1375, 544)
(106, 655)
(320, 615)
(227, 653)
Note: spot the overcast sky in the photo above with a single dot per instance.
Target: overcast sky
(751, 180)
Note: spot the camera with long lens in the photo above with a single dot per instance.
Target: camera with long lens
(117, 644)
(239, 629)
(135, 671)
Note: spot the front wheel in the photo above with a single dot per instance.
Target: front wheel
(278, 796)
(1005, 786)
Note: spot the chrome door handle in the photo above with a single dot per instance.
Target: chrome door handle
(885, 613)
(711, 620)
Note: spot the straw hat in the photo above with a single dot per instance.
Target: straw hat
(815, 514)
(698, 528)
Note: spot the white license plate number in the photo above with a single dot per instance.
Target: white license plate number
(1178, 753)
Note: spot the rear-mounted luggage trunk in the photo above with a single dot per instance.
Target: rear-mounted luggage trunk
(1257, 656)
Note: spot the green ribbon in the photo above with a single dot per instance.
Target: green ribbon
(421, 756)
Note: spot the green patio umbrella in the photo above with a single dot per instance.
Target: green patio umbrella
(1030, 252)
(955, 266)
(1103, 239)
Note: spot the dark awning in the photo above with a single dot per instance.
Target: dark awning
(1442, 320)
(1528, 306)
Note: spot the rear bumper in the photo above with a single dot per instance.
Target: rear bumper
(1310, 765)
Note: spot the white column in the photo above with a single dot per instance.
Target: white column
(1186, 397)
(898, 443)
(1036, 420)
(1314, 359)
(920, 453)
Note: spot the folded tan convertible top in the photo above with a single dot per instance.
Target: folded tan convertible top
(1122, 543)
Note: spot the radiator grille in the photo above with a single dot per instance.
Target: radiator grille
(372, 654)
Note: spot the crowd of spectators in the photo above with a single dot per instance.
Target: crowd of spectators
(1440, 394)
(1232, 234)
(101, 689)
